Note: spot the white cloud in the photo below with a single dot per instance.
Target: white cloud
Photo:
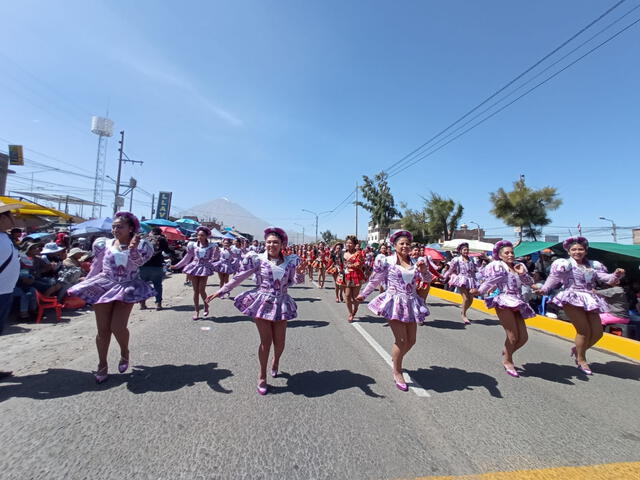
(179, 80)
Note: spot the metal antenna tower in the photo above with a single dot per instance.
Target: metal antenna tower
(103, 127)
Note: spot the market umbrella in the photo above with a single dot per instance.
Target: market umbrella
(230, 236)
(188, 223)
(160, 222)
(97, 225)
(172, 233)
(433, 253)
(39, 235)
(474, 245)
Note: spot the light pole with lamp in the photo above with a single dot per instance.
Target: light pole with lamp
(614, 231)
(316, 215)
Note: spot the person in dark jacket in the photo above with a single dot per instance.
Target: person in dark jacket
(153, 270)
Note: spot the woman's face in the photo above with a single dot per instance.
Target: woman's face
(202, 237)
(226, 243)
(273, 245)
(35, 250)
(402, 246)
(350, 245)
(384, 249)
(464, 251)
(121, 229)
(506, 255)
(577, 252)
(415, 252)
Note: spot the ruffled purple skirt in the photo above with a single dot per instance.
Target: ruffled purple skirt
(510, 302)
(225, 267)
(465, 281)
(257, 304)
(199, 269)
(398, 306)
(581, 299)
(101, 289)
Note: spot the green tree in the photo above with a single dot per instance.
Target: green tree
(525, 207)
(328, 237)
(416, 222)
(442, 215)
(379, 202)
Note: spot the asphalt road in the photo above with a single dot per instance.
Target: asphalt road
(189, 408)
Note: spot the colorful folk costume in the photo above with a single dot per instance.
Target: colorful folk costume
(498, 275)
(114, 274)
(400, 300)
(199, 261)
(353, 270)
(225, 262)
(461, 273)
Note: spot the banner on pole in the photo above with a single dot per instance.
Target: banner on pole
(164, 205)
(16, 156)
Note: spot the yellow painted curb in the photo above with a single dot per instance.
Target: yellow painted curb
(612, 471)
(612, 343)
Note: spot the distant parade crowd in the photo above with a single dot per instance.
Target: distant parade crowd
(113, 273)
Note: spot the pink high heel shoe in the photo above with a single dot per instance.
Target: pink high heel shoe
(274, 372)
(101, 375)
(263, 388)
(585, 370)
(206, 311)
(511, 371)
(401, 385)
(123, 365)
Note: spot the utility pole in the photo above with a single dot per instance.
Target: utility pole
(316, 215)
(614, 229)
(121, 160)
(302, 231)
(356, 203)
(153, 201)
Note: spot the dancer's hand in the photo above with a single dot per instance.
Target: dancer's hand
(520, 269)
(211, 297)
(135, 241)
(538, 291)
(359, 299)
(301, 268)
(619, 272)
(473, 291)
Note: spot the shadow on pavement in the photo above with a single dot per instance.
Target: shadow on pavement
(371, 319)
(306, 299)
(234, 319)
(13, 328)
(448, 324)
(624, 370)
(445, 379)
(306, 323)
(178, 308)
(439, 304)
(313, 384)
(553, 372)
(486, 321)
(61, 382)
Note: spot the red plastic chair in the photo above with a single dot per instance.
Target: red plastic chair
(46, 303)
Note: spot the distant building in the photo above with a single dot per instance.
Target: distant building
(636, 236)
(373, 233)
(552, 238)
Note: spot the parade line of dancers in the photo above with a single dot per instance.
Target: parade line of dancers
(399, 274)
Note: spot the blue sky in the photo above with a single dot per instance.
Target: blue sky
(284, 105)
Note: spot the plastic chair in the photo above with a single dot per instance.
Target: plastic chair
(45, 303)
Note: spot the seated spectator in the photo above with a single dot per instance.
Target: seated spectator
(16, 236)
(543, 265)
(40, 268)
(616, 298)
(71, 271)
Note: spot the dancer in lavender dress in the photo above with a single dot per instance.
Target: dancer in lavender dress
(578, 276)
(462, 274)
(268, 304)
(224, 266)
(399, 303)
(198, 264)
(508, 275)
(113, 285)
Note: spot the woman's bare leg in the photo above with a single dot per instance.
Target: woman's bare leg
(103, 337)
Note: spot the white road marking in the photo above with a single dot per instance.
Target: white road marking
(414, 386)
(314, 283)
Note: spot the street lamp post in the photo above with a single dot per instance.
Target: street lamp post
(477, 225)
(316, 215)
(614, 229)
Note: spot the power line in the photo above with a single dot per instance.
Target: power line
(511, 82)
(429, 153)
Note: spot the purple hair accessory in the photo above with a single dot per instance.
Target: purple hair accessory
(278, 232)
(204, 229)
(131, 218)
(573, 240)
(499, 246)
(400, 233)
(461, 246)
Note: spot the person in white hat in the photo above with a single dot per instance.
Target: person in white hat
(9, 266)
